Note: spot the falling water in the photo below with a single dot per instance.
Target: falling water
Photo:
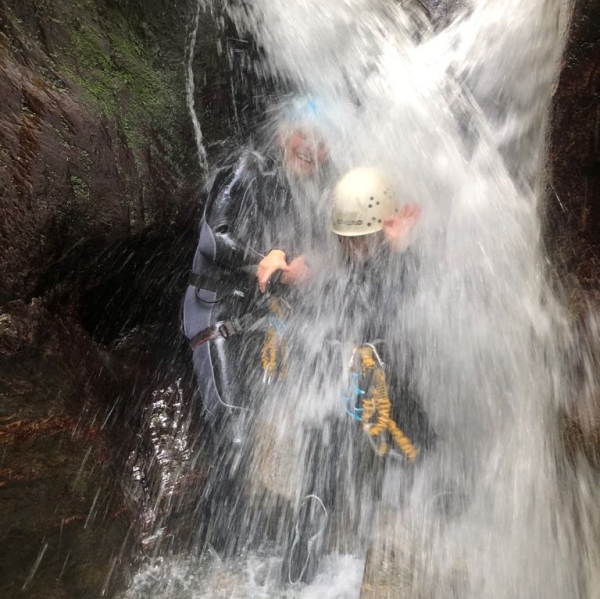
(458, 119)
(190, 89)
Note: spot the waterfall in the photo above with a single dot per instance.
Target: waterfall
(458, 119)
(190, 88)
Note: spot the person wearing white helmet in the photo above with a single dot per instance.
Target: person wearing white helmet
(358, 303)
(374, 231)
(366, 217)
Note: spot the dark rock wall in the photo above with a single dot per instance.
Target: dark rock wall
(572, 224)
(95, 144)
(100, 194)
(64, 520)
(573, 208)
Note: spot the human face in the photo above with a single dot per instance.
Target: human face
(362, 248)
(303, 151)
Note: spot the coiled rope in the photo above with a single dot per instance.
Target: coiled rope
(376, 410)
(274, 349)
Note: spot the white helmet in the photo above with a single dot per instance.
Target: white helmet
(362, 200)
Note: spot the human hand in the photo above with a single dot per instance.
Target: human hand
(397, 228)
(298, 272)
(268, 266)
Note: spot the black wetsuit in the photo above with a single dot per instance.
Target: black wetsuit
(249, 212)
(252, 208)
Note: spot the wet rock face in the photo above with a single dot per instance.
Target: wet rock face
(64, 517)
(572, 231)
(63, 522)
(95, 143)
(102, 453)
(573, 219)
(99, 200)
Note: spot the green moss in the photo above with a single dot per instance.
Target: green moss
(43, 8)
(119, 75)
(85, 159)
(80, 188)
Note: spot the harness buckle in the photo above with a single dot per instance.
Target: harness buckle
(228, 329)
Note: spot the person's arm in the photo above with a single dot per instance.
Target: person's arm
(231, 189)
(235, 197)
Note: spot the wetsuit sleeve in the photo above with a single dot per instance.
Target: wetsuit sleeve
(231, 198)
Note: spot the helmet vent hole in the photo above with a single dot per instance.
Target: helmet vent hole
(370, 205)
(379, 221)
(368, 224)
(377, 203)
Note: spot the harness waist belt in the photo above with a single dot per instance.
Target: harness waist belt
(222, 329)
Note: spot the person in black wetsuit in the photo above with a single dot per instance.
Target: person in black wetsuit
(261, 215)
(258, 214)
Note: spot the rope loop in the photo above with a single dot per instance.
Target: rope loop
(370, 404)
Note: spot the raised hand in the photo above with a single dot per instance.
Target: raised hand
(397, 228)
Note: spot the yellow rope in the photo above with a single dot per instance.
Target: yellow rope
(274, 349)
(377, 410)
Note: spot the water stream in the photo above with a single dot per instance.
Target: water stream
(191, 86)
(458, 118)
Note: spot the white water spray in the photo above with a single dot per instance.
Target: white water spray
(190, 89)
(459, 120)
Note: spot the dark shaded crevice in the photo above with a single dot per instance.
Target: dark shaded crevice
(114, 287)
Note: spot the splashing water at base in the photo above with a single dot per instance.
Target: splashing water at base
(250, 577)
(458, 120)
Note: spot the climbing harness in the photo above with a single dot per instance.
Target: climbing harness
(224, 283)
(223, 329)
(274, 349)
(370, 404)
